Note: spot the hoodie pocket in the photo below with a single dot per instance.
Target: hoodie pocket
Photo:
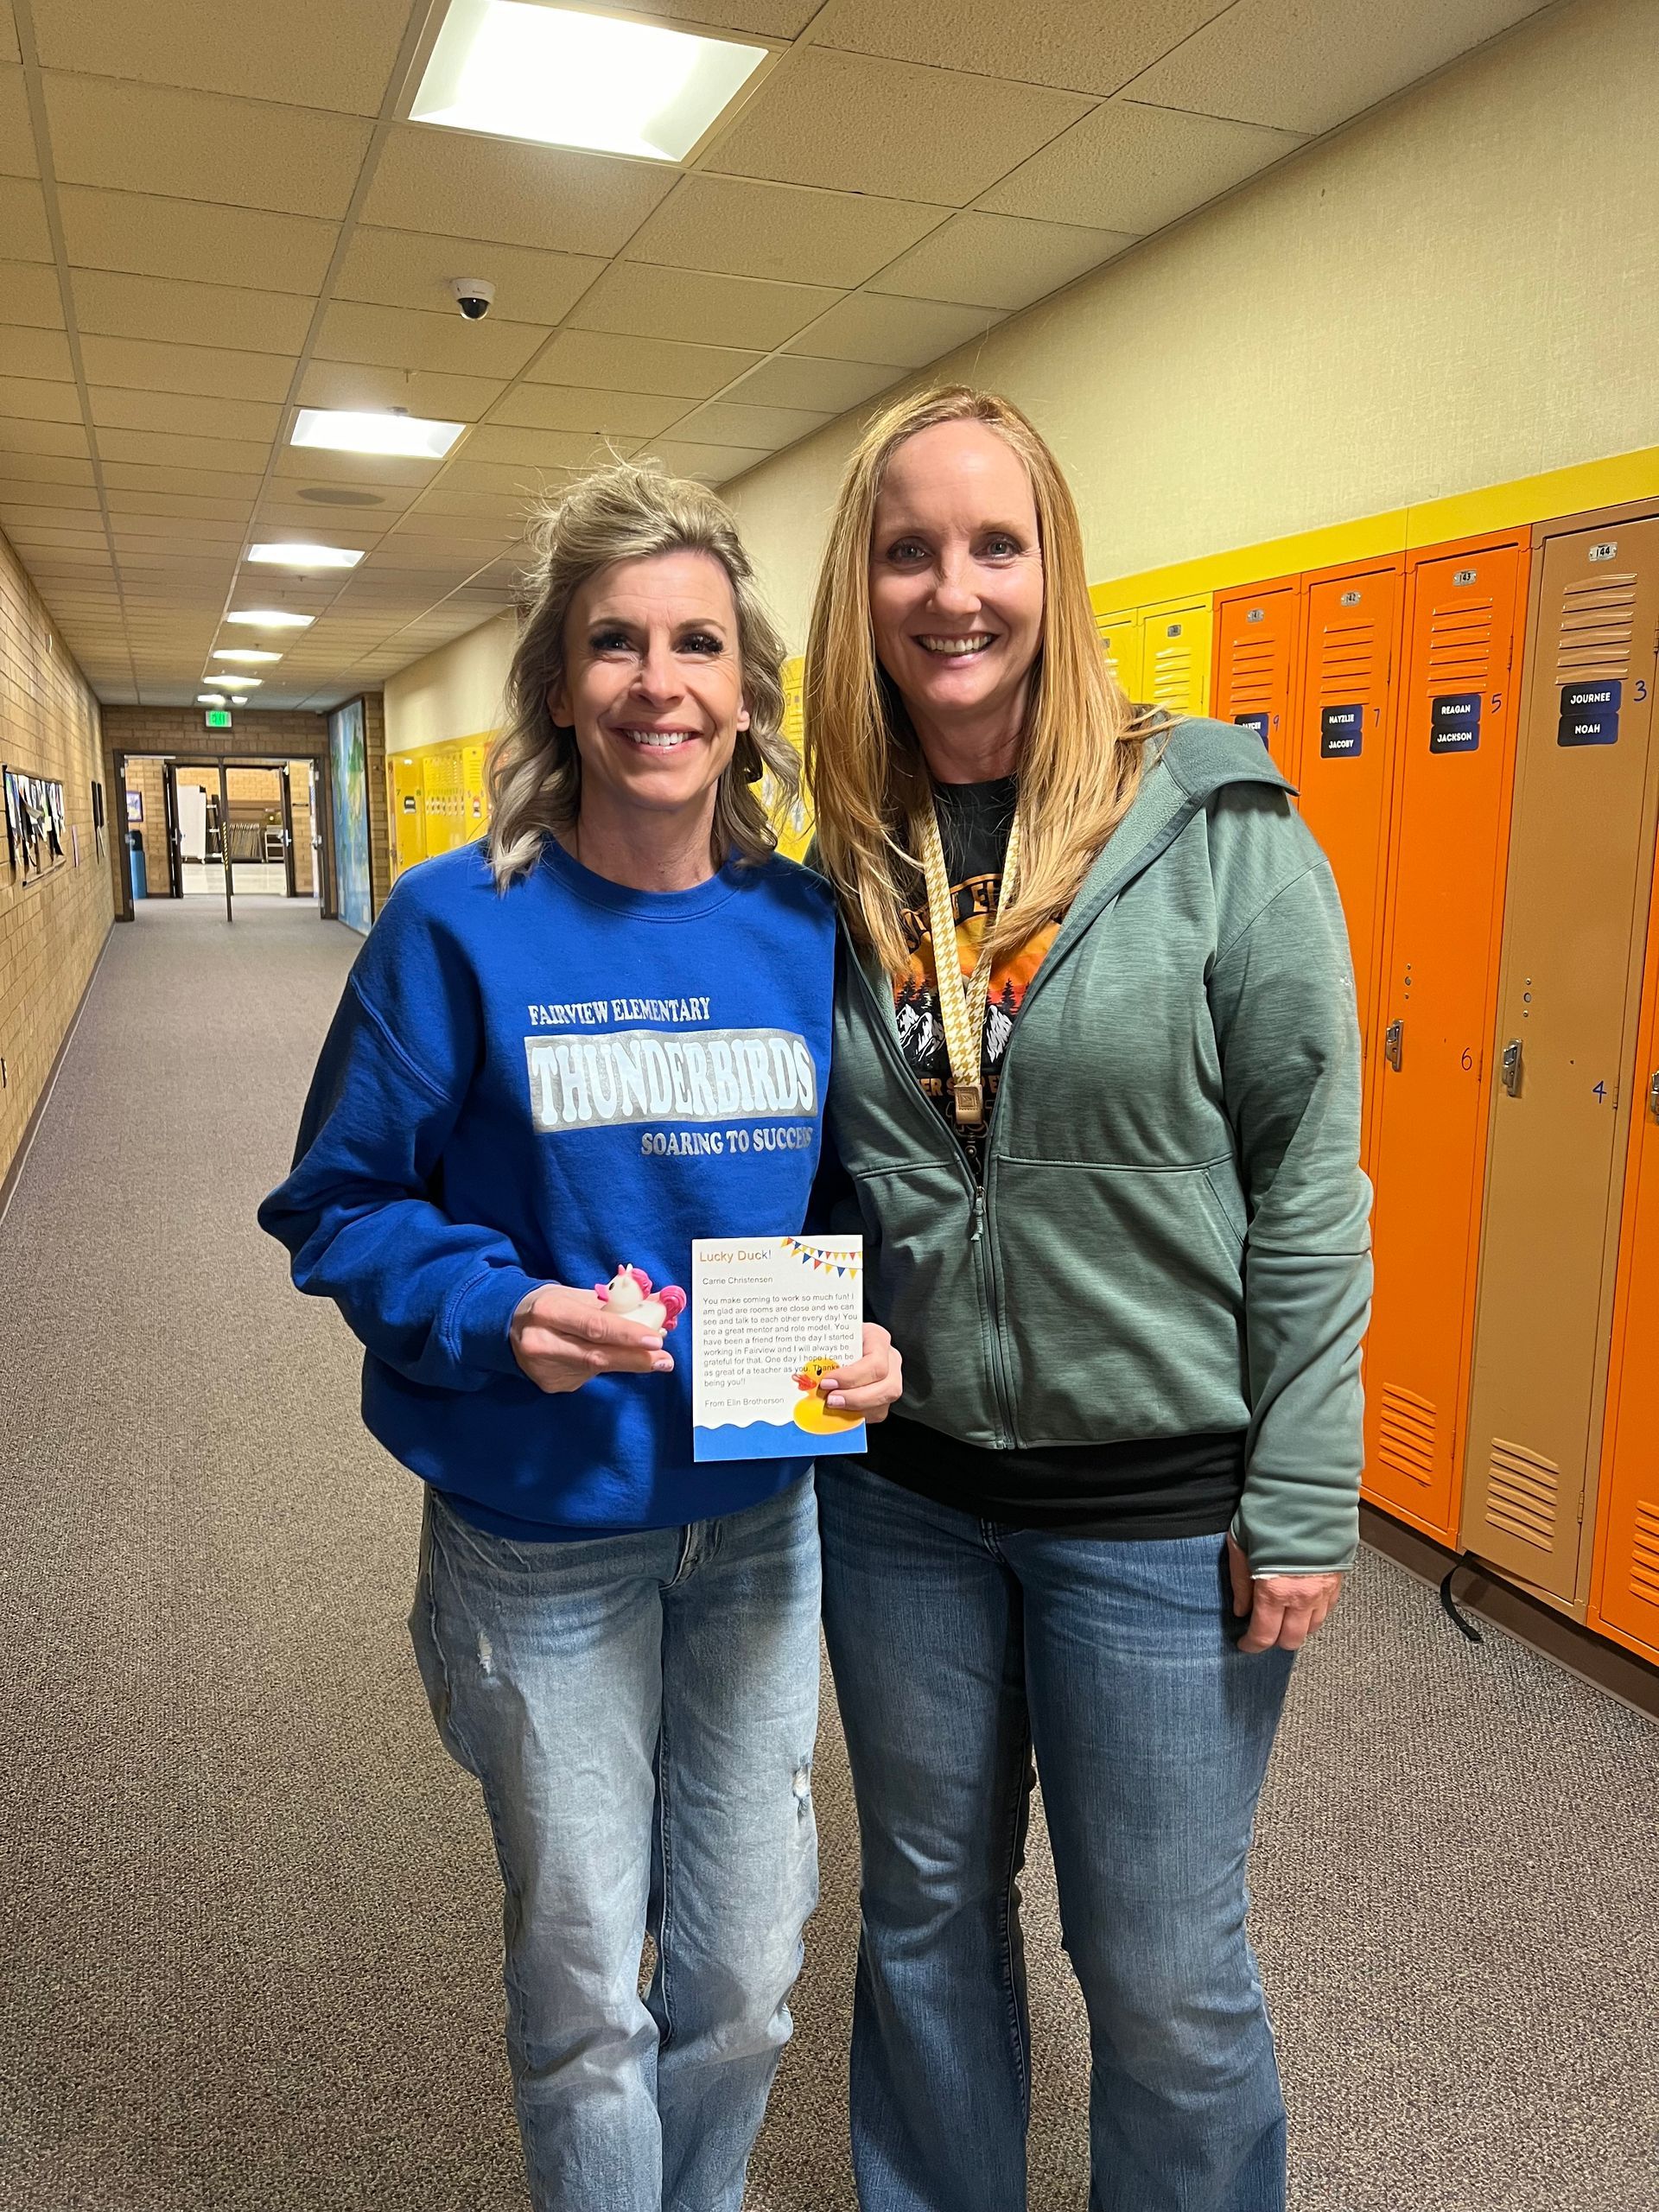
(1121, 1299)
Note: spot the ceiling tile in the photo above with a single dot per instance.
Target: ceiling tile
(780, 19)
(30, 353)
(1301, 68)
(184, 412)
(115, 305)
(316, 54)
(714, 463)
(595, 358)
(1077, 44)
(16, 132)
(17, 436)
(30, 291)
(513, 480)
(23, 220)
(195, 242)
(724, 422)
(18, 491)
(9, 32)
(207, 483)
(424, 391)
(545, 448)
(908, 333)
(402, 269)
(573, 407)
(1135, 169)
(45, 468)
(434, 180)
(39, 401)
(998, 261)
(161, 448)
(180, 504)
(817, 386)
(199, 146)
(402, 338)
(140, 364)
(853, 124)
(643, 302)
(744, 228)
(462, 507)
(366, 472)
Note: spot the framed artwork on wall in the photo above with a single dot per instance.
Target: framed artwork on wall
(135, 806)
(98, 817)
(34, 822)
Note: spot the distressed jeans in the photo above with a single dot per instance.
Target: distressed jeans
(639, 1710)
(959, 1647)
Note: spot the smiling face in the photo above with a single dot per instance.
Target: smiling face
(957, 579)
(653, 687)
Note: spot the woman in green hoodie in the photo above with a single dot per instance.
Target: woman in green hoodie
(1106, 1163)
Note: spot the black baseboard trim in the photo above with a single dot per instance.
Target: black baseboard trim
(1606, 1666)
(31, 1130)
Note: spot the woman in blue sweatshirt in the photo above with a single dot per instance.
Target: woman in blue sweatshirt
(570, 1050)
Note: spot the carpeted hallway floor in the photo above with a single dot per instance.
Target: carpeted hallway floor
(249, 1913)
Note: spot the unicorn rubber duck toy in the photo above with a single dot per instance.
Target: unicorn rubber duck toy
(629, 1294)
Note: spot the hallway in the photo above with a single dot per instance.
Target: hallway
(252, 1915)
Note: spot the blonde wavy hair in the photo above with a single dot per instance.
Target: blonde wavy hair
(630, 511)
(1080, 759)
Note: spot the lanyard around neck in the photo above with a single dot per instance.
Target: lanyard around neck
(963, 999)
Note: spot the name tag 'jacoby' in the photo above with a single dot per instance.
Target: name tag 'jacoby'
(607, 1081)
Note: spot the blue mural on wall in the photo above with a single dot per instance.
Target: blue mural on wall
(347, 753)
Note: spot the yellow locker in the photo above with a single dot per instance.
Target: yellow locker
(1120, 632)
(440, 767)
(1175, 647)
(794, 824)
(408, 811)
(475, 807)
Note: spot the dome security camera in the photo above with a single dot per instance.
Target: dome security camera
(474, 295)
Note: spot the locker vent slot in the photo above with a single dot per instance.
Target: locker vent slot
(1347, 662)
(1406, 1435)
(1524, 1494)
(1172, 675)
(1644, 1556)
(1253, 665)
(1459, 644)
(1598, 622)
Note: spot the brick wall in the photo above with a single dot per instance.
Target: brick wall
(53, 928)
(374, 752)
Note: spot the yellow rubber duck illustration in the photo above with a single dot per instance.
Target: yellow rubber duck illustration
(812, 1414)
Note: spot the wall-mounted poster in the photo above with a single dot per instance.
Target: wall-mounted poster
(34, 824)
(347, 754)
(98, 817)
(135, 806)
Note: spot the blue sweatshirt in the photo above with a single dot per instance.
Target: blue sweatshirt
(540, 1086)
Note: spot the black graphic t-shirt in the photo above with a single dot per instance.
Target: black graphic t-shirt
(1165, 1486)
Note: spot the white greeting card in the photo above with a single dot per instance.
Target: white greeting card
(772, 1314)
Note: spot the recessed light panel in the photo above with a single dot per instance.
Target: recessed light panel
(341, 430)
(271, 618)
(252, 654)
(305, 556)
(210, 698)
(573, 80)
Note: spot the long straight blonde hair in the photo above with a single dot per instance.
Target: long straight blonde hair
(1080, 757)
(629, 512)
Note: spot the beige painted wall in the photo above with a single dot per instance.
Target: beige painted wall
(454, 692)
(1461, 289)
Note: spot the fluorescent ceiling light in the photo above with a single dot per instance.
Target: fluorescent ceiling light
(272, 617)
(210, 698)
(341, 430)
(252, 654)
(236, 700)
(572, 79)
(305, 556)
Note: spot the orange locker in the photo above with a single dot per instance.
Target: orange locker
(1344, 748)
(1625, 1605)
(1465, 604)
(1258, 655)
(1575, 912)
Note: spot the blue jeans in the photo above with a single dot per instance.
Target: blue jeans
(640, 1711)
(959, 1647)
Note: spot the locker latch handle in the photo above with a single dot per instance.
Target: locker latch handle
(1393, 1042)
(1653, 1094)
(1512, 1067)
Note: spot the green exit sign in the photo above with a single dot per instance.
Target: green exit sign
(218, 718)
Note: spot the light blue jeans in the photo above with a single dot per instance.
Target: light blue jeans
(958, 1647)
(640, 1712)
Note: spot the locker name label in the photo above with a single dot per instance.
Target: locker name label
(1454, 722)
(1589, 713)
(1342, 733)
(1257, 722)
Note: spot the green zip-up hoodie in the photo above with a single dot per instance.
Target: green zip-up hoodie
(1171, 1236)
